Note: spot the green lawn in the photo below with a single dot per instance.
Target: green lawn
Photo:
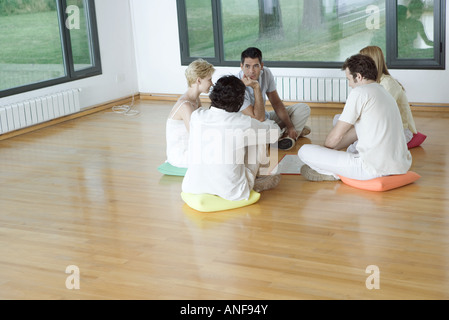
(34, 38)
(31, 51)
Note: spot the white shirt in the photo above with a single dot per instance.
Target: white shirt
(177, 140)
(377, 121)
(216, 152)
(266, 83)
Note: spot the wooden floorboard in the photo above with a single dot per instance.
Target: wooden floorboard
(87, 192)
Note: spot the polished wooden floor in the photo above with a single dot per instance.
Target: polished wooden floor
(86, 192)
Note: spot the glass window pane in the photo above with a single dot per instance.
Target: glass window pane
(415, 29)
(30, 43)
(303, 30)
(77, 23)
(200, 28)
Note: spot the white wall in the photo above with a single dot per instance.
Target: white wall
(160, 70)
(119, 77)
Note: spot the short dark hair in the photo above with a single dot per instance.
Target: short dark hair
(228, 94)
(252, 53)
(362, 64)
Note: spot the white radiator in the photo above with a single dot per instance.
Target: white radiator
(30, 112)
(310, 89)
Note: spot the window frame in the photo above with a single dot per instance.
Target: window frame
(66, 43)
(393, 62)
(439, 60)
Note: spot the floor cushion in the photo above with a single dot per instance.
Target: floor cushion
(169, 170)
(212, 203)
(383, 183)
(417, 140)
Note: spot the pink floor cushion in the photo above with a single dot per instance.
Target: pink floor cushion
(417, 140)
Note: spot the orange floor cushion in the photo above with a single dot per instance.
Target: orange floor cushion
(383, 183)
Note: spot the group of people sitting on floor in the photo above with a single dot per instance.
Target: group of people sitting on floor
(225, 147)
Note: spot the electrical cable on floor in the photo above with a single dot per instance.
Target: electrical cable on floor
(126, 110)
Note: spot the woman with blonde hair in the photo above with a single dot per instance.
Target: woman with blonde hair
(199, 80)
(394, 88)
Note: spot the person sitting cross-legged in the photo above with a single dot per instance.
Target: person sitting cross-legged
(199, 79)
(224, 145)
(260, 84)
(370, 116)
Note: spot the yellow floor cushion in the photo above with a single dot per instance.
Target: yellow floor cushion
(212, 203)
(383, 183)
(169, 170)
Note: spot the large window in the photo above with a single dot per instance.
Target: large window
(313, 33)
(46, 42)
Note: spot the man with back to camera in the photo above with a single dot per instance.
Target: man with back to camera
(372, 117)
(260, 84)
(219, 160)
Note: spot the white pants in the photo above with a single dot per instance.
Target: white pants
(333, 162)
(298, 113)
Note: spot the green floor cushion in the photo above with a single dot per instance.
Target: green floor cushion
(169, 170)
(212, 203)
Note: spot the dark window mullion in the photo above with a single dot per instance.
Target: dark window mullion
(183, 32)
(440, 27)
(437, 31)
(218, 30)
(391, 32)
(93, 37)
(65, 39)
(94, 45)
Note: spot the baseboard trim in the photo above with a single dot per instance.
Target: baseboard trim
(167, 97)
(427, 107)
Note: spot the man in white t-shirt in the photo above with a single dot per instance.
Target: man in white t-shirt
(260, 85)
(224, 146)
(370, 116)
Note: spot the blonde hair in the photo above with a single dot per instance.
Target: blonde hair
(377, 55)
(198, 69)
